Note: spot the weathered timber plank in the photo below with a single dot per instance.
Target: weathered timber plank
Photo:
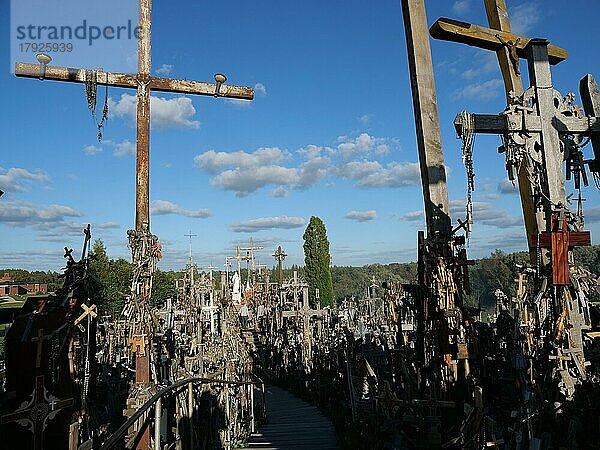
(590, 98)
(482, 37)
(429, 140)
(70, 74)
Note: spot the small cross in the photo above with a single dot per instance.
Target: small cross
(521, 281)
(40, 343)
(88, 310)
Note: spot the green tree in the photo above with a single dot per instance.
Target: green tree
(114, 278)
(317, 261)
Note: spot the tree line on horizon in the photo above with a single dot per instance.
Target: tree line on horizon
(496, 271)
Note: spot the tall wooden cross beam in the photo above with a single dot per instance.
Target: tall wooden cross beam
(429, 140)
(144, 83)
(509, 49)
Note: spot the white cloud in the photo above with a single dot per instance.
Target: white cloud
(125, 148)
(162, 207)
(165, 69)
(523, 17)
(392, 176)
(267, 223)
(485, 213)
(461, 7)
(25, 213)
(479, 91)
(484, 62)
(17, 179)
(356, 170)
(414, 216)
(248, 172)
(507, 187)
(91, 149)
(176, 112)
(212, 161)
(362, 216)
(248, 180)
(279, 192)
(260, 88)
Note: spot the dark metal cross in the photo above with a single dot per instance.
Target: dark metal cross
(144, 83)
(35, 413)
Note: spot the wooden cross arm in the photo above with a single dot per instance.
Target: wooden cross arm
(130, 81)
(482, 37)
(501, 123)
(576, 239)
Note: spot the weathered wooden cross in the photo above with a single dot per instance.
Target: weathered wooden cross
(34, 414)
(144, 83)
(87, 310)
(40, 344)
(509, 49)
(537, 125)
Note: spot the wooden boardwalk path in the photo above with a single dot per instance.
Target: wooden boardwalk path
(293, 425)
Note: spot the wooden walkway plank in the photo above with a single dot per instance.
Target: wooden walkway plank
(293, 425)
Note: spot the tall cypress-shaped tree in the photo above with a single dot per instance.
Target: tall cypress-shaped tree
(316, 263)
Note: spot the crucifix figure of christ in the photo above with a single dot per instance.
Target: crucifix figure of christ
(540, 130)
(509, 49)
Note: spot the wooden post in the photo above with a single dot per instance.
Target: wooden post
(429, 140)
(540, 77)
(142, 185)
(252, 407)
(498, 19)
(190, 390)
(157, 417)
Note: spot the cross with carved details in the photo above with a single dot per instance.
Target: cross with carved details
(35, 413)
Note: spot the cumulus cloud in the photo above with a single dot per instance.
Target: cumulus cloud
(248, 180)
(483, 62)
(364, 144)
(165, 69)
(507, 187)
(212, 161)
(362, 216)
(17, 179)
(245, 173)
(91, 149)
(267, 223)
(524, 16)
(162, 207)
(176, 112)
(279, 192)
(25, 213)
(394, 175)
(125, 148)
(414, 216)
(485, 213)
(486, 90)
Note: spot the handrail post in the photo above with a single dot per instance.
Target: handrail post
(191, 412)
(157, 418)
(252, 407)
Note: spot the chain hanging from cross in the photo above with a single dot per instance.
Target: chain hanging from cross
(468, 137)
(91, 88)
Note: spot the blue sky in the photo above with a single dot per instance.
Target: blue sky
(330, 133)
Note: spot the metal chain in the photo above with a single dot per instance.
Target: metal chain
(468, 136)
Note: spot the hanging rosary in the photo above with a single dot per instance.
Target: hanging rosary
(91, 87)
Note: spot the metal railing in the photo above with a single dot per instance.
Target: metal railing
(155, 403)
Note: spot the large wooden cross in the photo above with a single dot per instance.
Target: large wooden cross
(144, 83)
(509, 49)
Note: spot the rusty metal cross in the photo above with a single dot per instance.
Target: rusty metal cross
(144, 83)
